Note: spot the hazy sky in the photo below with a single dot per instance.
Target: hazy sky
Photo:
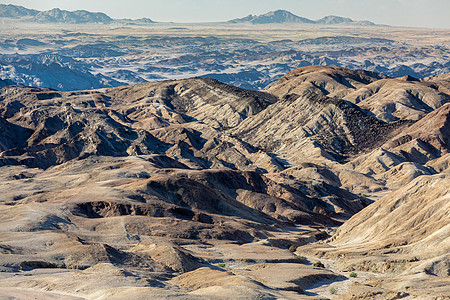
(423, 13)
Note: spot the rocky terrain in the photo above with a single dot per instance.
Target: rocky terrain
(196, 189)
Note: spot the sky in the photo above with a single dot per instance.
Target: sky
(414, 13)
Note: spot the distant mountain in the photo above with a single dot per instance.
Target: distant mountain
(144, 21)
(330, 20)
(279, 16)
(334, 20)
(364, 23)
(15, 11)
(285, 17)
(57, 15)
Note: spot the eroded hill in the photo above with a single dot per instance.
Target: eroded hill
(181, 188)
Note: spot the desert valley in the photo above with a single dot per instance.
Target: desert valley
(268, 157)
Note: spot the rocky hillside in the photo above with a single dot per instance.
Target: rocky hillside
(206, 186)
(405, 233)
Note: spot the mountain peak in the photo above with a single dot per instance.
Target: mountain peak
(55, 15)
(279, 12)
(286, 17)
(334, 20)
(15, 11)
(79, 16)
(277, 16)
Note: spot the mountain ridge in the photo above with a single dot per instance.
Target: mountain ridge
(15, 11)
(57, 15)
(287, 17)
(278, 16)
(54, 15)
